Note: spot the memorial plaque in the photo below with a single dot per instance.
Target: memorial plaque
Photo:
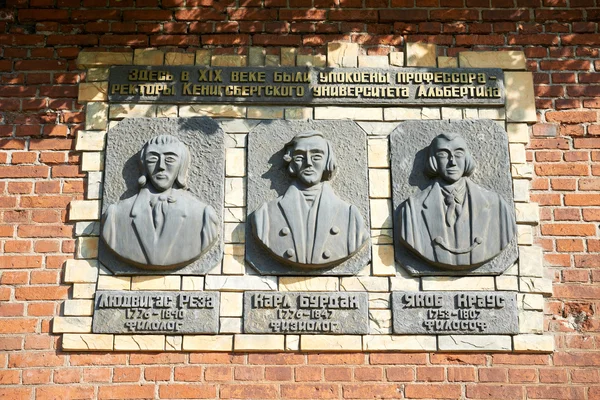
(320, 313)
(452, 196)
(306, 85)
(468, 313)
(155, 312)
(163, 196)
(308, 211)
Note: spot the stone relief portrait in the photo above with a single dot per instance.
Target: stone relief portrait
(309, 226)
(164, 225)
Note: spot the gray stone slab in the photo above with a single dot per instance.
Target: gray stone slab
(156, 312)
(320, 313)
(205, 186)
(490, 183)
(306, 85)
(468, 313)
(268, 179)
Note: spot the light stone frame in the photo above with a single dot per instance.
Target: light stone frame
(232, 277)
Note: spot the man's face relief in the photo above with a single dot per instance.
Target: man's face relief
(162, 165)
(450, 156)
(309, 159)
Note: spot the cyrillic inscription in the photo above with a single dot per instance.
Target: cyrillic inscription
(306, 312)
(473, 313)
(142, 312)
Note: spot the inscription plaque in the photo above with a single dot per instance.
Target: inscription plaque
(151, 312)
(306, 312)
(471, 313)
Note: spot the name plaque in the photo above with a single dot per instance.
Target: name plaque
(471, 313)
(151, 312)
(306, 85)
(306, 312)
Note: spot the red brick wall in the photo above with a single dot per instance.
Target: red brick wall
(39, 175)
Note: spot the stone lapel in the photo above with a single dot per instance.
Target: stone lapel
(290, 206)
(329, 205)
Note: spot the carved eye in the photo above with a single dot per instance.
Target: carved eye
(459, 153)
(171, 160)
(441, 154)
(317, 157)
(152, 159)
(298, 158)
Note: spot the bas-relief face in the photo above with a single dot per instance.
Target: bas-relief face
(450, 156)
(162, 165)
(309, 160)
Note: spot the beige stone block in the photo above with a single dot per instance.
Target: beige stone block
(378, 153)
(238, 126)
(78, 307)
(288, 57)
(452, 113)
(421, 55)
(354, 113)
(534, 343)
(207, 110)
(343, 343)
(527, 213)
(379, 301)
(365, 283)
(111, 282)
(317, 60)
(377, 128)
(397, 58)
(87, 247)
(531, 261)
(373, 61)
(87, 342)
(380, 322)
(524, 235)
(148, 57)
(470, 113)
(447, 62)
(521, 171)
(504, 282)
(520, 97)
(265, 112)
(535, 285)
(80, 210)
(94, 186)
(530, 302)
(512, 270)
(517, 133)
(96, 116)
(401, 113)
(233, 264)
(383, 260)
(299, 113)
(256, 56)
(235, 162)
(272, 60)
(173, 343)
(88, 59)
(292, 342)
(339, 54)
(87, 228)
(90, 140)
(399, 343)
(166, 111)
(474, 343)
(235, 192)
(404, 282)
(208, 343)
(381, 213)
(156, 282)
(84, 290)
(203, 57)
(96, 74)
(228, 60)
(458, 283)
(531, 321)
(230, 325)
(118, 111)
(92, 161)
(379, 183)
(235, 214)
(382, 236)
(308, 283)
(259, 343)
(492, 113)
(511, 60)
(180, 58)
(140, 342)
(517, 153)
(232, 304)
(72, 325)
(81, 271)
(234, 233)
(192, 283)
(236, 140)
(239, 283)
(431, 113)
(521, 190)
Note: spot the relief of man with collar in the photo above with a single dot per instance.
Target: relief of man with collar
(309, 226)
(455, 223)
(164, 226)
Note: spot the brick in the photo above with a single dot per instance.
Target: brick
(187, 391)
(252, 391)
(125, 392)
(310, 391)
(494, 392)
(427, 391)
